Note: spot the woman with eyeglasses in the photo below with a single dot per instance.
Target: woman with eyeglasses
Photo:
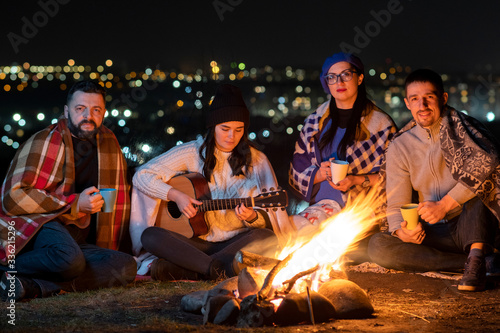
(348, 127)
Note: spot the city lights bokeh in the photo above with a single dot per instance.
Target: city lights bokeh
(152, 109)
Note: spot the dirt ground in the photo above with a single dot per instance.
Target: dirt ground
(415, 303)
(403, 302)
(407, 302)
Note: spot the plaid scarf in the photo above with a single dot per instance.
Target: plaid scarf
(471, 154)
(364, 154)
(39, 187)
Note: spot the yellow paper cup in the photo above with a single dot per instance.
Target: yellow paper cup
(410, 215)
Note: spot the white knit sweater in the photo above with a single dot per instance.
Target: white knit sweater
(152, 178)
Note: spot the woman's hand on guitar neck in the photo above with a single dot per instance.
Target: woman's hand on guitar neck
(245, 214)
(185, 203)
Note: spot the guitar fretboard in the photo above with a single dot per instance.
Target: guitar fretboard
(220, 204)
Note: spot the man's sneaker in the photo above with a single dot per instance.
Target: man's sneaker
(11, 287)
(14, 287)
(474, 278)
(493, 265)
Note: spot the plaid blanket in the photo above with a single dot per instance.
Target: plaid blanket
(364, 155)
(39, 187)
(470, 152)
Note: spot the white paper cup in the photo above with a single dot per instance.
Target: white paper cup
(339, 170)
(109, 197)
(410, 215)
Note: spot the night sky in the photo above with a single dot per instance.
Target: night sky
(455, 36)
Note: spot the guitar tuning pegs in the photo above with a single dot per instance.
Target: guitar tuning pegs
(271, 189)
(279, 188)
(264, 190)
(282, 208)
(275, 209)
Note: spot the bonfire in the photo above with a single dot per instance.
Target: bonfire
(312, 259)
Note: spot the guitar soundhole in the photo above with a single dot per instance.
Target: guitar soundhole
(173, 210)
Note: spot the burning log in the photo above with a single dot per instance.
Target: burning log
(250, 281)
(292, 281)
(268, 282)
(257, 310)
(248, 259)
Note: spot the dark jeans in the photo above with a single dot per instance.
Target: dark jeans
(54, 260)
(197, 255)
(445, 245)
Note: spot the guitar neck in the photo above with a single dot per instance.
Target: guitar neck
(220, 204)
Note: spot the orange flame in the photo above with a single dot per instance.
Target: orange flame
(325, 245)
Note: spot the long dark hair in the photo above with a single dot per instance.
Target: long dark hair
(241, 156)
(354, 122)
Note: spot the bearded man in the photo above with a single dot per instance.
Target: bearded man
(53, 235)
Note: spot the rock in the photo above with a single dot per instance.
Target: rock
(295, 309)
(228, 314)
(349, 300)
(212, 293)
(250, 281)
(213, 306)
(193, 302)
(228, 284)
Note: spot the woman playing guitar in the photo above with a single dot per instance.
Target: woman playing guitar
(233, 169)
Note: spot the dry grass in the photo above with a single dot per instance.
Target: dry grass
(403, 303)
(142, 305)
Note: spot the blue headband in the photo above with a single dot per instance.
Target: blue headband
(338, 57)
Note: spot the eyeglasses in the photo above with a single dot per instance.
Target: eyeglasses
(345, 76)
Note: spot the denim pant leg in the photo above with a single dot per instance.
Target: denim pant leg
(476, 224)
(391, 252)
(104, 268)
(55, 261)
(51, 255)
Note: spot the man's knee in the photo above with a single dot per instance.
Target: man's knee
(122, 268)
(377, 246)
(69, 262)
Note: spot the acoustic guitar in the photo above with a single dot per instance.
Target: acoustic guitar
(196, 186)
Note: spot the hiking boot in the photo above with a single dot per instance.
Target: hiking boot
(474, 278)
(493, 265)
(14, 287)
(164, 270)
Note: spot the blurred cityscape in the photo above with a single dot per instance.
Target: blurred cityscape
(152, 109)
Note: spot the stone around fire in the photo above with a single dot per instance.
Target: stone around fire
(349, 300)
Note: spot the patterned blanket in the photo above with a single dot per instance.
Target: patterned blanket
(39, 187)
(364, 155)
